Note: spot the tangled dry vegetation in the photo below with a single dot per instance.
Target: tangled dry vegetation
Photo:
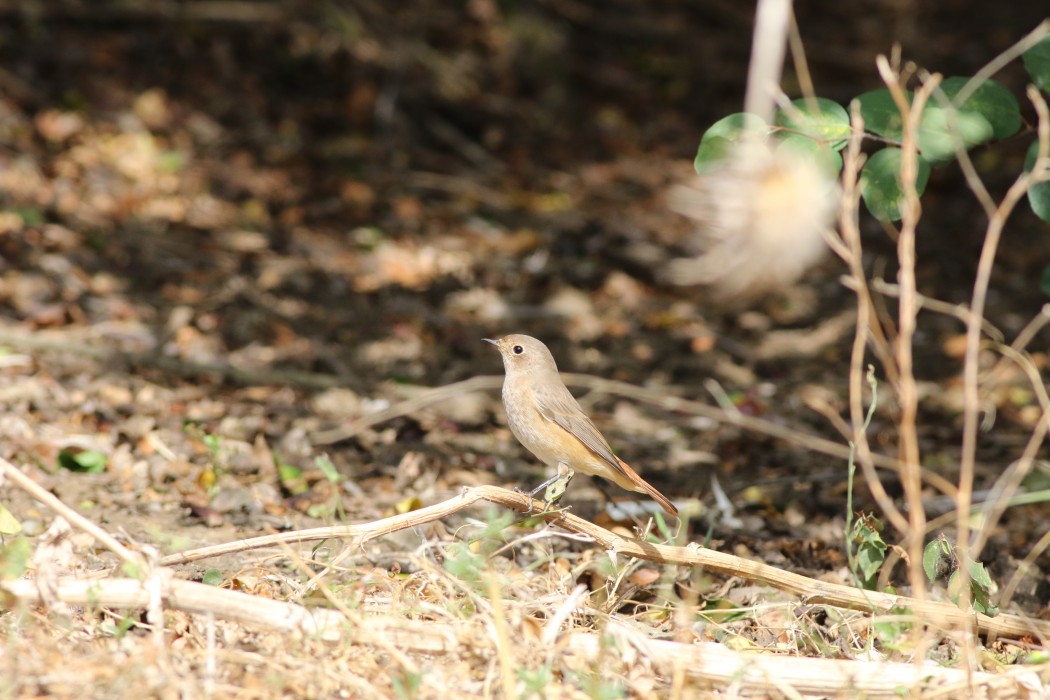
(226, 473)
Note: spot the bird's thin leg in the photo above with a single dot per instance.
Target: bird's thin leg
(555, 487)
(532, 494)
(545, 484)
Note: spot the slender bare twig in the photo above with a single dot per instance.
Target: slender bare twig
(907, 314)
(850, 227)
(812, 591)
(1002, 60)
(971, 368)
(76, 519)
(772, 19)
(958, 311)
(1024, 569)
(1011, 479)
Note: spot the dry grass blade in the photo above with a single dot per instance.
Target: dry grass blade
(706, 661)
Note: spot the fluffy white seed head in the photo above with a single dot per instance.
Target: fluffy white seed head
(761, 221)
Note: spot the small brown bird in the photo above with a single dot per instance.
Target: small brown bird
(549, 422)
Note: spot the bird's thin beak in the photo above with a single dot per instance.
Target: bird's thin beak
(490, 340)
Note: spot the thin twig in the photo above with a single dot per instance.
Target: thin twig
(907, 313)
(971, 367)
(772, 19)
(76, 519)
(850, 227)
(1001, 61)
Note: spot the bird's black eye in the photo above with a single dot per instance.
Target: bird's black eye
(518, 349)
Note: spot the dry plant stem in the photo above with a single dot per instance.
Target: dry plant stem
(848, 223)
(811, 591)
(351, 616)
(798, 57)
(1002, 60)
(1024, 569)
(959, 311)
(76, 519)
(907, 313)
(772, 20)
(971, 398)
(1010, 481)
(504, 652)
(708, 662)
(1029, 332)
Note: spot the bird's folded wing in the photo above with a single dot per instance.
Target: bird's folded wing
(565, 412)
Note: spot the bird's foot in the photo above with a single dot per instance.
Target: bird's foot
(556, 489)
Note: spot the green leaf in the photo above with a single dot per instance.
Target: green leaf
(936, 559)
(979, 575)
(973, 124)
(31, 216)
(406, 684)
(871, 549)
(131, 569)
(992, 101)
(820, 119)
(170, 161)
(1037, 656)
(14, 558)
(83, 461)
(881, 115)
(869, 560)
(213, 443)
(9, 524)
(819, 152)
(718, 140)
(1037, 63)
(1044, 281)
(881, 186)
(291, 477)
(324, 463)
(940, 133)
(212, 577)
(464, 564)
(1038, 194)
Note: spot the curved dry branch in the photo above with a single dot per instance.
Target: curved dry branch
(810, 591)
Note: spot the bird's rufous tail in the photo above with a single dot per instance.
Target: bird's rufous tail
(644, 485)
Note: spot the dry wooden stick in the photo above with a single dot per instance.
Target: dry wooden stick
(810, 591)
(709, 662)
(793, 676)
